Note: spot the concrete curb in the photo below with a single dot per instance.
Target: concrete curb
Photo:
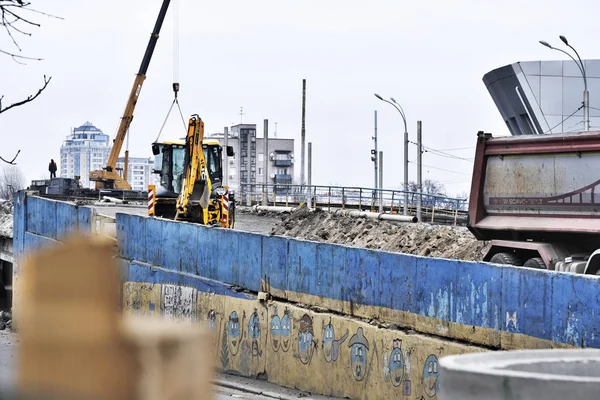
(267, 393)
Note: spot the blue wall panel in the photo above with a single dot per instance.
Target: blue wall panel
(477, 294)
(41, 216)
(66, 220)
(154, 242)
(138, 272)
(250, 258)
(302, 258)
(527, 299)
(84, 216)
(575, 306)
(229, 259)
(436, 284)
(170, 242)
(331, 270)
(361, 283)
(136, 230)
(188, 248)
(208, 252)
(122, 222)
(19, 224)
(35, 242)
(274, 261)
(398, 275)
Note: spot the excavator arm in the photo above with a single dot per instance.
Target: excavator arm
(108, 177)
(196, 182)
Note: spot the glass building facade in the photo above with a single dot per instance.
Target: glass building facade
(538, 97)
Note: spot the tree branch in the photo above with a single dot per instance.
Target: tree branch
(11, 162)
(28, 99)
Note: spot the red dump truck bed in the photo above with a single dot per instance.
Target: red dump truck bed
(537, 188)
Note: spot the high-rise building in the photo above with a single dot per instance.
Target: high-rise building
(139, 174)
(86, 149)
(246, 167)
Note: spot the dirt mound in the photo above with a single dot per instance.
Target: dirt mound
(6, 219)
(418, 239)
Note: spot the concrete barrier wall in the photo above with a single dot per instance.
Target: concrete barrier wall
(500, 307)
(39, 222)
(296, 347)
(191, 272)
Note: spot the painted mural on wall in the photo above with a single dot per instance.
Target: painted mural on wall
(307, 344)
(179, 302)
(329, 344)
(253, 338)
(359, 347)
(431, 374)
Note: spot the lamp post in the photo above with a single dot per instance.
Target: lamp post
(401, 111)
(586, 94)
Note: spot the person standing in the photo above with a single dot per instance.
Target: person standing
(52, 168)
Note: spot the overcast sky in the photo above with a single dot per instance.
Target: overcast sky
(429, 55)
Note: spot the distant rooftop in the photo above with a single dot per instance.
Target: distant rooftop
(87, 127)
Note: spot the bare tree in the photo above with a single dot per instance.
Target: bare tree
(16, 19)
(11, 181)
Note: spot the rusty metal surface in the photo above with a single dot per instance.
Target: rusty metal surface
(536, 184)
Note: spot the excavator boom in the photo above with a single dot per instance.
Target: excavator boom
(195, 164)
(108, 177)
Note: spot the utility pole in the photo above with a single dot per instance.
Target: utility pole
(374, 152)
(266, 163)
(226, 169)
(381, 182)
(303, 132)
(309, 174)
(419, 170)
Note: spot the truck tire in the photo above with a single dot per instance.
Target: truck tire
(535, 262)
(506, 259)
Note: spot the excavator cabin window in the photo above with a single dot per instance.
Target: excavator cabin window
(212, 155)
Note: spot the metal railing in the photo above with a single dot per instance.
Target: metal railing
(365, 199)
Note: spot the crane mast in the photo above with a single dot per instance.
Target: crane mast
(108, 176)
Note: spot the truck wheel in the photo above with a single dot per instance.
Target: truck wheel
(535, 262)
(506, 259)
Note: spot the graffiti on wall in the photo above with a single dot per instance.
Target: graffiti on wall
(281, 330)
(307, 344)
(430, 376)
(254, 334)
(359, 347)
(179, 302)
(329, 344)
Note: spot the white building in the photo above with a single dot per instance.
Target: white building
(86, 149)
(139, 174)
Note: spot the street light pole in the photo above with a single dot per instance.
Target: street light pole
(401, 111)
(586, 94)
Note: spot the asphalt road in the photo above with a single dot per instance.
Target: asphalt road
(244, 221)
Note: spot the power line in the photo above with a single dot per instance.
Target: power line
(551, 129)
(442, 154)
(441, 169)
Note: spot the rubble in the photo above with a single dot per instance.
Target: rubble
(6, 219)
(409, 238)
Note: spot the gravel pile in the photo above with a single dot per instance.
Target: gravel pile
(418, 239)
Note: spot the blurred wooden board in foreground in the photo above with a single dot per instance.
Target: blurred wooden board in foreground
(75, 344)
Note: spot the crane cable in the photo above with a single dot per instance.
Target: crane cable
(175, 70)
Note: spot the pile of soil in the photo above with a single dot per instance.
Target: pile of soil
(409, 238)
(6, 219)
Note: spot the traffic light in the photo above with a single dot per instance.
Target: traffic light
(373, 155)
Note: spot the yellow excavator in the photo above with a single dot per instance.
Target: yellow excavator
(191, 180)
(108, 177)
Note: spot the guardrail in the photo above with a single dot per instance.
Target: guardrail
(367, 199)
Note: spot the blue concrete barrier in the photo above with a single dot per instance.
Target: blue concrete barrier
(557, 307)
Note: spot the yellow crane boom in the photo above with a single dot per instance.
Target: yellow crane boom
(108, 178)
